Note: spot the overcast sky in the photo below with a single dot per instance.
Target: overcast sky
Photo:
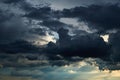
(59, 39)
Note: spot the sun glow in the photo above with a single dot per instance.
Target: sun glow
(105, 37)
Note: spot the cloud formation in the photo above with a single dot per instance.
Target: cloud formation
(12, 28)
(23, 25)
(102, 17)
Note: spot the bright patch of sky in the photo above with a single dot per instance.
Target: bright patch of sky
(105, 37)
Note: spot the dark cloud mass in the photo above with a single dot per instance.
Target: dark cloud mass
(11, 28)
(10, 1)
(103, 17)
(19, 46)
(40, 13)
(114, 41)
(90, 45)
(38, 41)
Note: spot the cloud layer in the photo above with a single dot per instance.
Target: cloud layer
(38, 41)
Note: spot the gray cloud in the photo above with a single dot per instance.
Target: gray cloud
(71, 3)
(19, 46)
(102, 17)
(83, 45)
(10, 1)
(12, 28)
(114, 42)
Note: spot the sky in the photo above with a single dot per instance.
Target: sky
(59, 39)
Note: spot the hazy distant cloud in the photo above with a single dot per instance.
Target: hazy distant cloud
(72, 71)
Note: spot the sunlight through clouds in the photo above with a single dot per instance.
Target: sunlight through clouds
(105, 37)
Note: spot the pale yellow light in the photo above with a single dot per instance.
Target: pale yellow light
(105, 37)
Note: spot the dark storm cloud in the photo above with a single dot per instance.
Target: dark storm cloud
(40, 13)
(90, 45)
(10, 1)
(19, 46)
(114, 42)
(103, 17)
(14, 25)
(21, 4)
(11, 28)
(25, 6)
